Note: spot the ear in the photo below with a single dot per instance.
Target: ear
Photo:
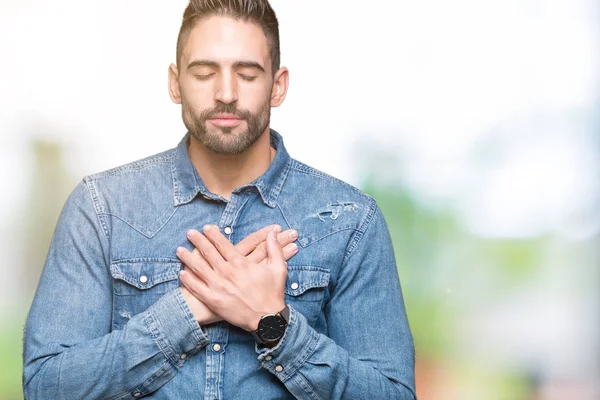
(174, 92)
(280, 87)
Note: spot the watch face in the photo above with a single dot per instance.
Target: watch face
(271, 327)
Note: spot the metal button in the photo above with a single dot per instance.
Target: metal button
(137, 394)
(295, 285)
(143, 279)
(278, 368)
(183, 356)
(228, 230)
(216, 347)
(268, 358)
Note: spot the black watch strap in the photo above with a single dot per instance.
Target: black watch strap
(256, 337)
(285, 313)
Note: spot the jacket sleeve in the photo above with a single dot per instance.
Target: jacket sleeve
(69, 349)
(368, 352)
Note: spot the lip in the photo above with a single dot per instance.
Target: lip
(225, 120)
(225, 116)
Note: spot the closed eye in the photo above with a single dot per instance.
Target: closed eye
(203, 77)
(247, 78)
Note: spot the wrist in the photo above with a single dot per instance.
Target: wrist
(254, 320)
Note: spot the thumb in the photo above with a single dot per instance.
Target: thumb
(274, 251)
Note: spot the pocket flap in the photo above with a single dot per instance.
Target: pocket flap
(144, 274)
(302, 278)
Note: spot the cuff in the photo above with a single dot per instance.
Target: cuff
(174, 328)
(295, 347)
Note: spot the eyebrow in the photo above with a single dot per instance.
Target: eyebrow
(237, 64)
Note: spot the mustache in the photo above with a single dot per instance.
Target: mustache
(225, 109)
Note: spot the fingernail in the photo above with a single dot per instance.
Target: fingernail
(293, 234)
(179, 250)
(207, 228)
(191, 232)
(292, 248)
(277, 228)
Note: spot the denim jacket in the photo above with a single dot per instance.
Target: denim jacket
(109, 320)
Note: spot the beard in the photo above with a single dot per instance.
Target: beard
(222, 140)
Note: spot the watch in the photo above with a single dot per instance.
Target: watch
(271, 327)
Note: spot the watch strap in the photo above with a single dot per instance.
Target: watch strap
(256, 337)
(285, 313)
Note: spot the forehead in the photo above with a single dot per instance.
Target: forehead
(226, 40)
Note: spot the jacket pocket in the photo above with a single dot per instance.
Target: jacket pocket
(306, 289)
(139, 283)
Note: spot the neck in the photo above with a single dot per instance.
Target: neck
(222, 173)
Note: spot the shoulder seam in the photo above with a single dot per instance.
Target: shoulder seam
(359, 233)
(134, 165)
(97, 208)
(306, 169)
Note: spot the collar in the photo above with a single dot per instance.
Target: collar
(187, 183)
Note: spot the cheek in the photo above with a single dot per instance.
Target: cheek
(255, 99)
(195, 95)
(195, 101)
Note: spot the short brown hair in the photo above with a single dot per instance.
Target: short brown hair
(256, 11)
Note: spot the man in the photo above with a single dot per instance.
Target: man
(134, 303)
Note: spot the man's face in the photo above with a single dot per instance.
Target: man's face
(225, 82)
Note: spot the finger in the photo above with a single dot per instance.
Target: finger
(274, 252)
(284, 239)
(289, 251)
(200, 261)
(195, 285)
(221, 243)
(206, 248)
(187, 268)
(196, 252)
(253, 240)
(197, 265)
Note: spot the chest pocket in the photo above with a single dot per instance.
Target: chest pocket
(306, 290)
(138, 284)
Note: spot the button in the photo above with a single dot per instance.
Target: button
(183, 356)
(137, 394)
(268, 358)
(278, 368)
(143, 279)
(295, 285)
(228, 230)
(216, 347)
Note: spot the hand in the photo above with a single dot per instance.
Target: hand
(254, 248)
(202, 314)
(238, 290)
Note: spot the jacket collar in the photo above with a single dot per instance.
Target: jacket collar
(187, 183)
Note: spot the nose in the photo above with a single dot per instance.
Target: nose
(226, 91)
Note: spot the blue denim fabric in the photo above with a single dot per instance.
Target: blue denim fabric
(109, 319)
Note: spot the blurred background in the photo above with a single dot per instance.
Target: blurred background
(475, 124)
